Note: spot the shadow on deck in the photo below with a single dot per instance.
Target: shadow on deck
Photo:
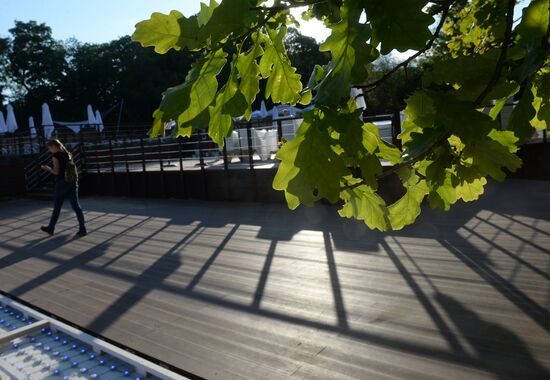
(240, 290)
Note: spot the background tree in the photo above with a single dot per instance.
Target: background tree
(390, 95)
(69, 75)
(304, 53)
(35, 65)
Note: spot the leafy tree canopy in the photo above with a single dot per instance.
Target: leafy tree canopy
(451, 139)
(68, 75)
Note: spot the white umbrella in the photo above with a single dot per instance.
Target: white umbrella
(275, 113)
(47, 122)
(99, 120)
(32, 128)
(3, 127)
(91, 117)
(357, 94)
(263, 110)
(10, 119)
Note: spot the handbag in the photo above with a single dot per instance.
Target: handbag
(71, 172)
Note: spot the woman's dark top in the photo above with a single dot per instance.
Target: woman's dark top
(63, 159)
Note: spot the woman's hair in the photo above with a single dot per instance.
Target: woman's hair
(59, 144)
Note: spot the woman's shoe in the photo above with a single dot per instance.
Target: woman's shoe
(47, 230)
(82, 233)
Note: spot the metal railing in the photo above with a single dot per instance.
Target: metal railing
(35, 177)
(251, 145)
(125, 149)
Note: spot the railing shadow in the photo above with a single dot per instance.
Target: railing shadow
(498, 349)
(274, 225)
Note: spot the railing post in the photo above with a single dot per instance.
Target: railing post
(111, 155)
(113, 181)
(162, 182)
(279, 130)
(250, 148)
(21, 147)
(98, 167)
(396, 129)
(128, 176)
(224, 152)
(201, 161)
(182, 174)
(83, 158)
(125, 150)
(199, 141)
(143, 165)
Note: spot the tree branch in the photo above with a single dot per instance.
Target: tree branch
(503, 54)
(290, 5)
(406, 62)
(494, 79)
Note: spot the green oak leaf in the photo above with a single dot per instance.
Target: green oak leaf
(398, 24)
(534, 22)
(316, 77)
(407, 208)
(249, 73)
(471, 183)
(476, 27)
(231, 16)
(541, 99)
(469, 76)
(187, 100)
(190, 33)
(490, 157)
(363, 203)
(420, 114)
(161, 31)
(350, 53)
(185, 129)
(204, 85)
(422, 141)
(358, 144)
(523, 113)
(229, 103)
(385, 151)
(158, 124)
(461, 118)
(505, 138)
(441, 181)
(206, 11)
(283, 83)
(310, 169)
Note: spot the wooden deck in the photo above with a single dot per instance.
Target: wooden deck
(243, 290)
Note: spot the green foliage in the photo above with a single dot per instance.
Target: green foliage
(405, 210)
(161, 31)
(452, 139)
(363, 203)
(310, 168)
(283, 84)
(399, 24)
(34, 63)
(350, 53)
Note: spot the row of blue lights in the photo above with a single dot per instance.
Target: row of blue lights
(65, 358)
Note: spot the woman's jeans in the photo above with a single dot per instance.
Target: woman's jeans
(64, 190)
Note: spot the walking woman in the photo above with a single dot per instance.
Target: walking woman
(66, 185)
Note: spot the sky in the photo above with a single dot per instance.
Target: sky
(105, 20)
(102, 20)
